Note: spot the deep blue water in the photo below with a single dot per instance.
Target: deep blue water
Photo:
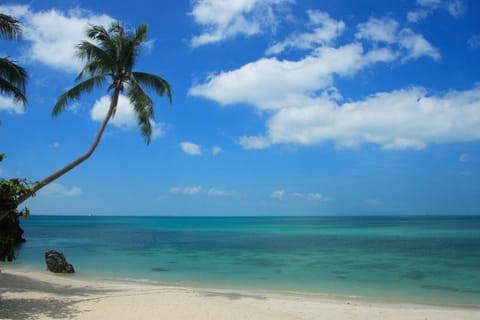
(423, 259)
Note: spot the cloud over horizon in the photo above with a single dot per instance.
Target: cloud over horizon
(56, 189)
(198, 190)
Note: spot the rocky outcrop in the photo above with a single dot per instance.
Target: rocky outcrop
(57, 263)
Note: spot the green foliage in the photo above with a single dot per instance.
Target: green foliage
(10, 232)
(10, 191)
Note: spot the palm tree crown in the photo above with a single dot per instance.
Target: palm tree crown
(13, 77)
(112, 56)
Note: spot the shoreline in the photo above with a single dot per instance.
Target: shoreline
(21, 270)
(38, 294)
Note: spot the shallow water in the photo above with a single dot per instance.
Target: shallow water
(422, 259)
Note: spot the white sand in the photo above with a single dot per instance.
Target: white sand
(42, 295)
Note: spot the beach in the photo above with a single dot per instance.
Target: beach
(38, 294)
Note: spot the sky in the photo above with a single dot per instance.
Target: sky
(280, 107)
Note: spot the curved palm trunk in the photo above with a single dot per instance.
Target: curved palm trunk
(75, 163)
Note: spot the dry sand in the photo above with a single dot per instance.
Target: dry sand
(42, 295)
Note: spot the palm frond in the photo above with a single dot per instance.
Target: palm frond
(160, 85)
(143, 106)
(98, 33)
(97, 60)
(9, 89)
(75, 93)
(141, 33)
(10, 27)
(14, 79)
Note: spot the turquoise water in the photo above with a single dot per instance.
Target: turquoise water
(419, 259)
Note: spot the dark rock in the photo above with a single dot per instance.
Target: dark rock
(57, 263)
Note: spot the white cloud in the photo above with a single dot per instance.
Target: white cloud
(46, 44)
(59, 190)
(378, 30)
(396, 120)
(125, 116)
(303, 106)
(271, 83)
(254, 143)
(474, 41)
(221, 19)
(8, 104)
(456, 8)
(198, 190)
(56, 144)
(281, 193)
(465, 157)
(278, 194)
(416, 46)
(418, 15)
(311, 196)
(401, 119)
(216, 150)
(217, 192)
(191, 149)
(325, 30)
(186, 190)
(433, 4)
(386, 30)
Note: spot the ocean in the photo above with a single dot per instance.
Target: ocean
(424, 259)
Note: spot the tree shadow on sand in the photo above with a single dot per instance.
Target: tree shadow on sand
(23, 309)
(59, 306)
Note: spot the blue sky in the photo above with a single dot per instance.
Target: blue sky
(280, 107)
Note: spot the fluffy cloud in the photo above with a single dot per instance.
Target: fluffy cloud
(325, 30)
(387, 30)
(272, 84)
(269, 83)
(7, 104)
(280, 194)
(305, 108)
(59, 190)
(402, 119)
(46, 44)
(222, 19)
(198, 190)
(427, 7)
(124, 117)
(216, 150)
(254, 143)
(191, 149)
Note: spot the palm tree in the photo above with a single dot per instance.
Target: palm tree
(111, 56)
(12, 76)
